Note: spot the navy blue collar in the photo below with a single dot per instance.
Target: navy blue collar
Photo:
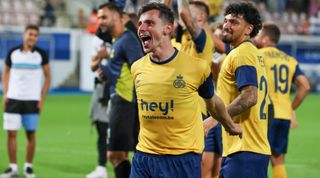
(167, 60)
(244, 42)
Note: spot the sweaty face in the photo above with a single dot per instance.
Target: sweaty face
(30, 37)
(105, 19)
(150, 30)
(234, 28)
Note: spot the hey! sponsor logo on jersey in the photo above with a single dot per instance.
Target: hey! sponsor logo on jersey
(163, 107)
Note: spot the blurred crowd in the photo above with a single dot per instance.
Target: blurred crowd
(292, 16)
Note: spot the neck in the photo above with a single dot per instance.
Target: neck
(118, 31)
(240, 40)
(163, 52)
(26, 47)
(270, 45)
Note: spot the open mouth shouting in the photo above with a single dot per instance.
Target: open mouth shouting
(146, 40)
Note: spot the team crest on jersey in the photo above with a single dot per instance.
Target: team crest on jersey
(179, 82)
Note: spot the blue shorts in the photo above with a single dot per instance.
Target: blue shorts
(213, 142)
(245, 165)
(278, 135)
(17, 113)
(166, 166)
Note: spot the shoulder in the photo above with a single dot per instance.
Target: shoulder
(196, 63)
(139, 63)
(41, 51)
(245, 54)
(14, 49)
(129, 35)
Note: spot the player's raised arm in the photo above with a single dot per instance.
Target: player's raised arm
(188, 20)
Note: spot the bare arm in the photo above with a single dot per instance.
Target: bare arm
(96, 59)
(303, 88)
(46, 85)
(244, 101)
(5, 79)
(219, 44)
(190, 23)
(5, 83)
(167, 3)
(218, 111)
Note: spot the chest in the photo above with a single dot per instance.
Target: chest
(165, 81)
(28, 58)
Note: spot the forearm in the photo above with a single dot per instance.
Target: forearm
(219, 44)
(243, 102)
(298, 99)
(218, 111)
(47, 81)
(95, 63)
(45, 88)
(190, 23)
(303, 88)
(167, 3)
(5, 80)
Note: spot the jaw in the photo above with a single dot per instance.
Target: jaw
(146, 41)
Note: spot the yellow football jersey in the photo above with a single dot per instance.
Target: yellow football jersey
(175, 43)
(281, 70)
(202, 48)
(244, 66)
(169, 111)
(215, 7)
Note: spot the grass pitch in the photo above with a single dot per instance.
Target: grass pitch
(66, 142)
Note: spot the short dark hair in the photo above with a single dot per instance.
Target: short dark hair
(249, 12)
(165, 12)
(272, 31)
(112, 7)
(32, 27)
(202, 6)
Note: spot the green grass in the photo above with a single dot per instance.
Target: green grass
(66, 142)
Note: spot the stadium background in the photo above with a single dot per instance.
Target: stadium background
(66, 140)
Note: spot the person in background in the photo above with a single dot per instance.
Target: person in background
(100, 98)
(122, 109)
(93, 22)
(282, 71)
(26, 80)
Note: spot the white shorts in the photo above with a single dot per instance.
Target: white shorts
(13, 121)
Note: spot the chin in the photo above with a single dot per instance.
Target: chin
(226, 40)
(148, 50)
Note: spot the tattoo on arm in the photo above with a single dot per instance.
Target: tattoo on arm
(244, 101)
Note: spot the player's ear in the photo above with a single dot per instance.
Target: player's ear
(168, 29)
(249, 29)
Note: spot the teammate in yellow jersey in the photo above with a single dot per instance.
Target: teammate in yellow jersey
(282, 70)
(195, 15)
(242, 85)
(167, 84)
(200, 44)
